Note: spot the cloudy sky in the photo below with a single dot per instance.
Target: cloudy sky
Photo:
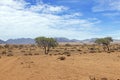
(74, 19)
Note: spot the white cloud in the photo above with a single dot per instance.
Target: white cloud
(106, 5)
(112, 14)
(12, 4)
(41, 20)
(69, 1)
(45, 8)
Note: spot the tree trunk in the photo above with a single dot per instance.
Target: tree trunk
(45, 50)
(108, 47)
(104, 48)
(48, 49)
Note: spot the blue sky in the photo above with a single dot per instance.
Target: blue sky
(74, 19)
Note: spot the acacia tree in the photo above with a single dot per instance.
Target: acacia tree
(104, 41)
(46, 43)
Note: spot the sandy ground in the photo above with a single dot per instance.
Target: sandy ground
(75, 67)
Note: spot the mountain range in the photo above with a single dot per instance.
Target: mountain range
(59, 39)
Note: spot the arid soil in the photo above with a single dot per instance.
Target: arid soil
(74, 67)
(65, 62)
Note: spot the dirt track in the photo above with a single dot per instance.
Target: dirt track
(75, 67)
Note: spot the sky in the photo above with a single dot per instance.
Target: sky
(73, 19)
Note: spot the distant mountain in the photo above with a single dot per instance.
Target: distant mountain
(62, 39)
(59, 39)
(31, 41)
(2, 42)
(92, 40)
(21, 41)
(116, 41)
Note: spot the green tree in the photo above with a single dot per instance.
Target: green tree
(46, 43)
(104, 41)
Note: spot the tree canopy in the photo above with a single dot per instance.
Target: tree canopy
(104, 41)
(46, 43)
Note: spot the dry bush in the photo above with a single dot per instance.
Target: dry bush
(91, 48)
(92, 51)
(79, 50)
(72, 50)
(92, 78)
(84, 52)
(65, 48)
(61, 58)
(66, 53)
(9, 54)
(30, 54)
(80, 53)
(57, 51)
(108, 51)
(23, 51)
(50, 54)
(25, 54)
(104, 78)
(15, 46)
(4, 52)
(6, 45)
(36, 54)
(68, 45)
(1, 47)
(9, 50)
